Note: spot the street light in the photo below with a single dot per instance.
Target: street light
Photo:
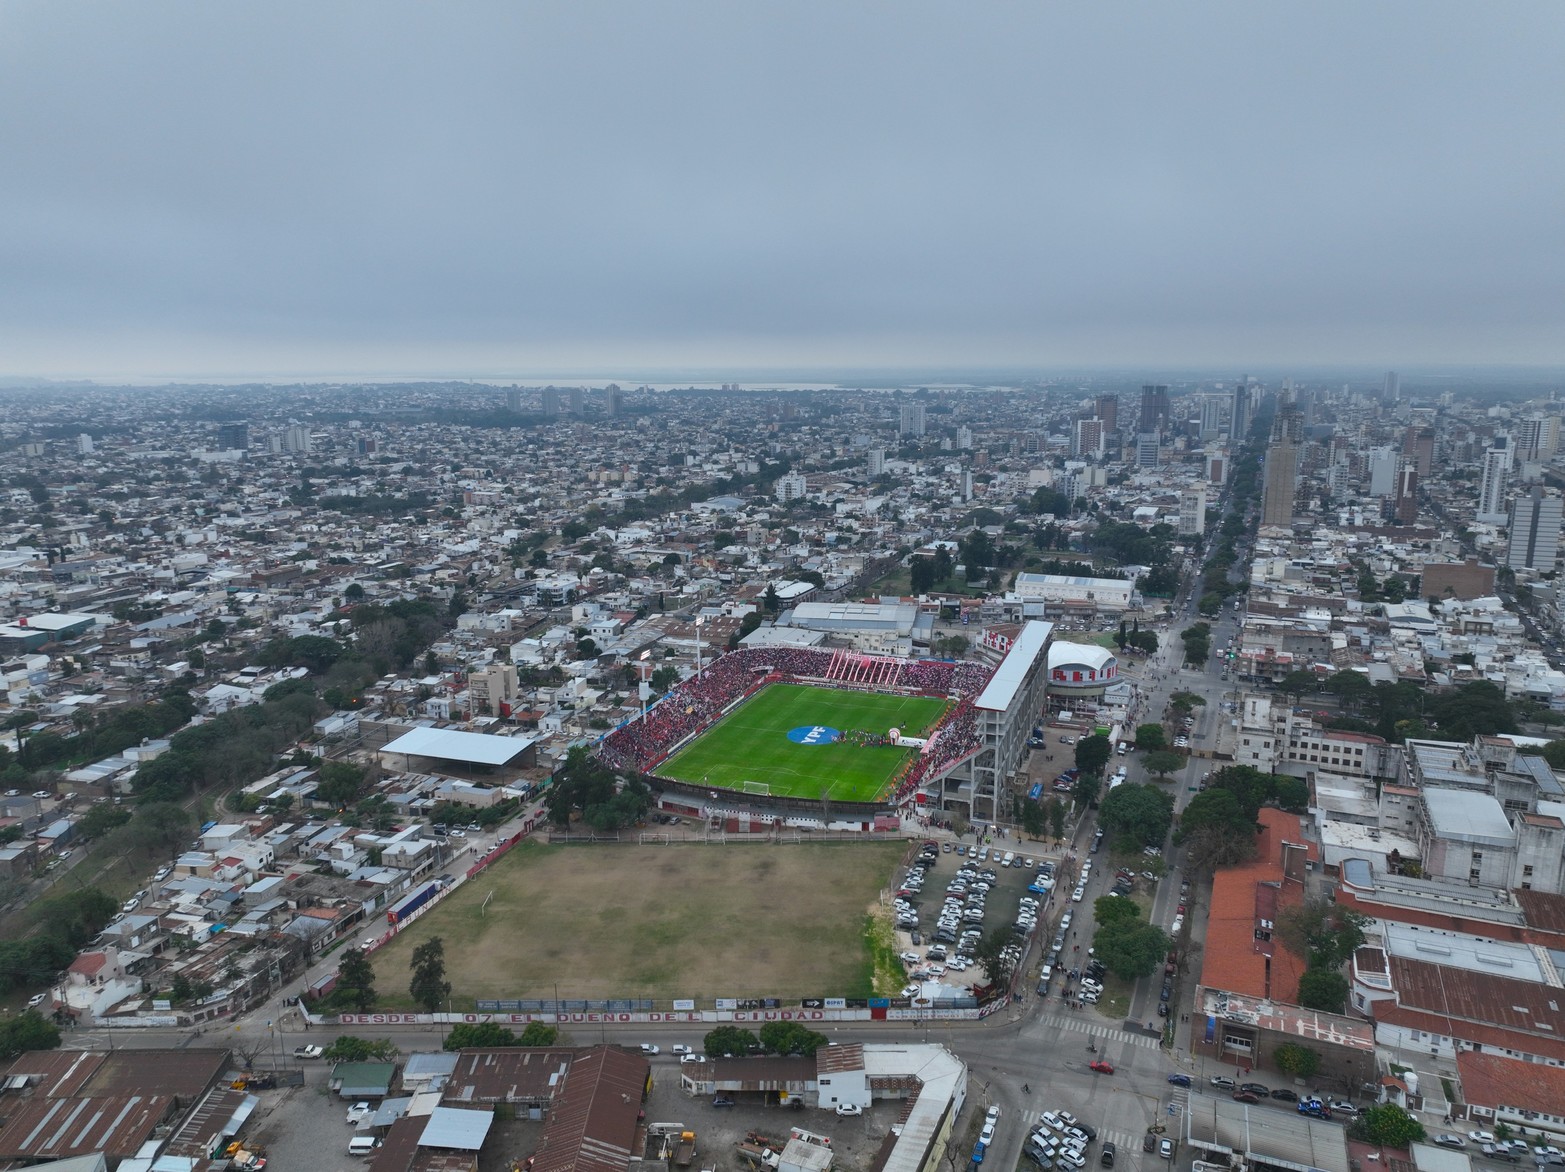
(700, 618)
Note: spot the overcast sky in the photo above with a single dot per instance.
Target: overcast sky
(526, 189)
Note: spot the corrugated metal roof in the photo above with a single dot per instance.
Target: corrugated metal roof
(454, 745)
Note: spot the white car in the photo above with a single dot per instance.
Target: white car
(1070, 1159)
(36, 1000)
(681, 1049)
(359, 1112)
(910, 958)
(909, 991)
(846, 1109)
(650, 1048)
(1481, 1137)
(161, 873)
(692, 1057)
(1078, 895)
(993, 1113)
(986, 1136)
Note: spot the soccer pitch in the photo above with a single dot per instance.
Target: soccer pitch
(753, 743)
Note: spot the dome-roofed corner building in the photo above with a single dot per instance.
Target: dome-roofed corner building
(1081, 669)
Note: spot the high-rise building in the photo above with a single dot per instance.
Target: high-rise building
(1154, 407)
(1536, 517)
(1402, 505)
(1392, 387)
(551, 401)
(1418, 445)
(296, 438)
(1192, 510)
(1088, 439)
(1280, 484)
(1215, 410)
(1216, 467)
(877, 461)
(615, 399)
(1239, 419)
(964, 438)
(232, 437)
(791, 487)
(911, 419)
(578, 401)
(1495, 484)
(513, 399)
(1382, 472)
(84, 444)
(1106, 408)
(1146, 449)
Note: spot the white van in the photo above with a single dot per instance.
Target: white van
(362, 1145)
(1010, 857)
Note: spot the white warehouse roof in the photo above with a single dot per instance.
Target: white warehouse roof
(450, 744)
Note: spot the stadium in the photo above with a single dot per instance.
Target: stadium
(839, 738)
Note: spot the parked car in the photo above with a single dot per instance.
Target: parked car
(1226, 1084)
(1255, 1088)
(1246, 1097)
(308, 1051)
(846, 1109)
(1165, 1148)
(1149, 1142)
(36, 1000)
(721, 1101)
(359, 1112)
(681, 1049)
(1481, 1137)
(1284, 1095)
(650, 1048)
(1446, 1140)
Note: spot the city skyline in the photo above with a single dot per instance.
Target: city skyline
(403, 191)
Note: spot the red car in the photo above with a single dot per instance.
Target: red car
(1101, 1067)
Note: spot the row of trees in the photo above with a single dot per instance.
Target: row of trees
(65, 923)
(1128, 946)
(588, 788)
(1403, 710)
(1218, 825)
(1139, 814)
(1197, 639)
(1042, 818)
(776, 1037)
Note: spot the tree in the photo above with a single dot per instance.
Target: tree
(539, 1033)
(348, 1048)
(339, 783)
(1298, 683)
(921, 575)
(1388, 1126)
(356, 980)
(1034, 821)
(1216, 832)
(1299, 1061)
(479, 1035)
(1249, 786)
(664, 678)
(790, 1037)
(1140, 812)
(1144, 642)
(1164, 762)
(1323, 989)
(1093, 753)
(1554, 754)
(26, 1032)
(1131, 948)
(1350, 687)
(991, 953)
(1056, 817)
(99, 820)
(1086, 790)
(1110, 909)
(730, 1042)
(429, 986)
(1150, 737)
(160, 827)
(1328, 935)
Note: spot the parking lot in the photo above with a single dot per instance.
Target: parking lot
(956, 894)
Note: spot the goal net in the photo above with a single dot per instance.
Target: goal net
(755, 787)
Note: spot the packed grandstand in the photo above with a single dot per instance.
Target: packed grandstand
(695, 704)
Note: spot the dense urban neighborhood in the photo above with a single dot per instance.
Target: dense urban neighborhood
(889, 777)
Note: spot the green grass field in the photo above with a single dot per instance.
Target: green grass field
(656, 921)
(751, 743)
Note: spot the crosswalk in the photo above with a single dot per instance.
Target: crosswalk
(1083, 1024)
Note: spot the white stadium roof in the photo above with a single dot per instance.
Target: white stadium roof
(449, 744)
(1007, 679)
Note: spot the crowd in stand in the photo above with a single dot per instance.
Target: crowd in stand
(697, 702)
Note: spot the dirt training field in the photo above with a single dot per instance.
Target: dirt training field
(742, 920)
